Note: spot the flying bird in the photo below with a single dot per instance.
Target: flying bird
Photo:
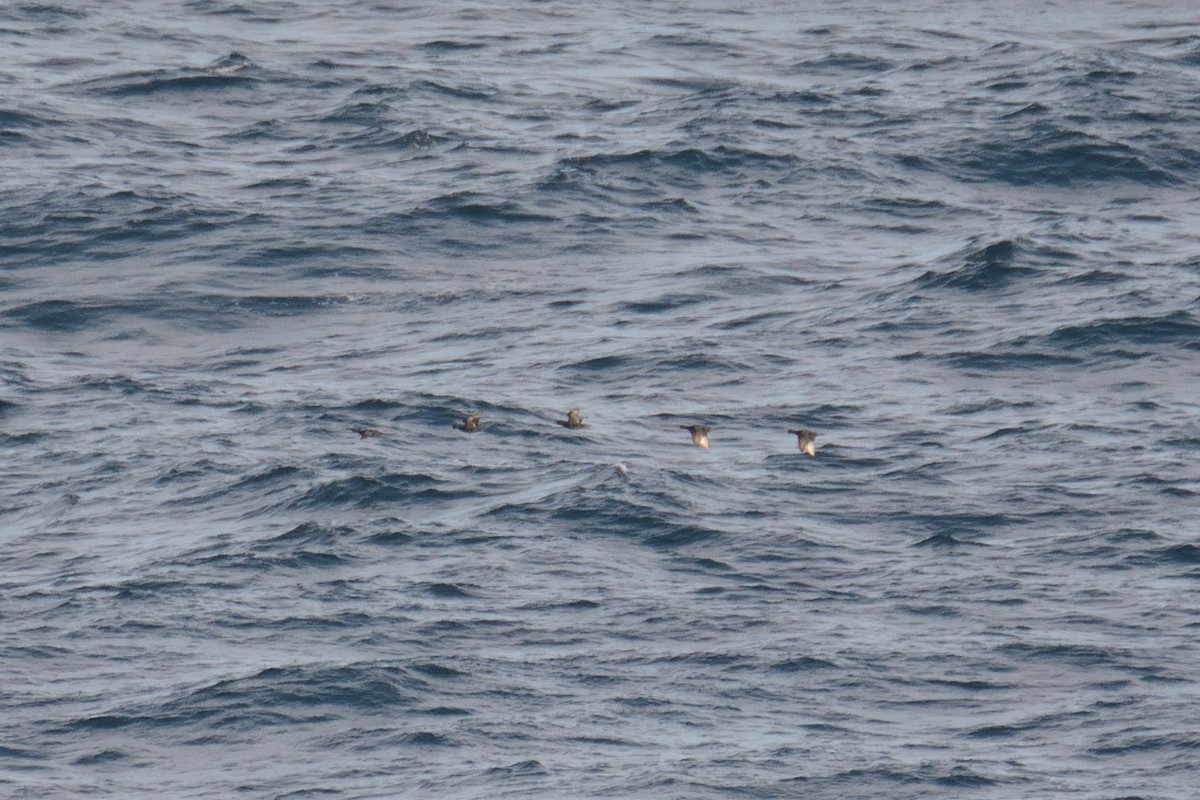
(699, 435)
(806, 440)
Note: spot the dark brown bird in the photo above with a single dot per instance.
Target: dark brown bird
(699, 434)
(806, 440)
(574, 419)
(367, 433)
(470, 423)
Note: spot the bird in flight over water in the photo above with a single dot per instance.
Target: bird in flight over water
(806, 440)
(699, 434)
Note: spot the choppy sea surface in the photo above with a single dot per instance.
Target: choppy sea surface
(958, 240)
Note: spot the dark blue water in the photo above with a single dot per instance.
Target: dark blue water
(958, 240)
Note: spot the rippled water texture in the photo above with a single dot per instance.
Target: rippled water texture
(957, 240)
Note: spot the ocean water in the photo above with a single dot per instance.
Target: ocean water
(958, 240)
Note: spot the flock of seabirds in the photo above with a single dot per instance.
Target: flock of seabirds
(805, 439)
